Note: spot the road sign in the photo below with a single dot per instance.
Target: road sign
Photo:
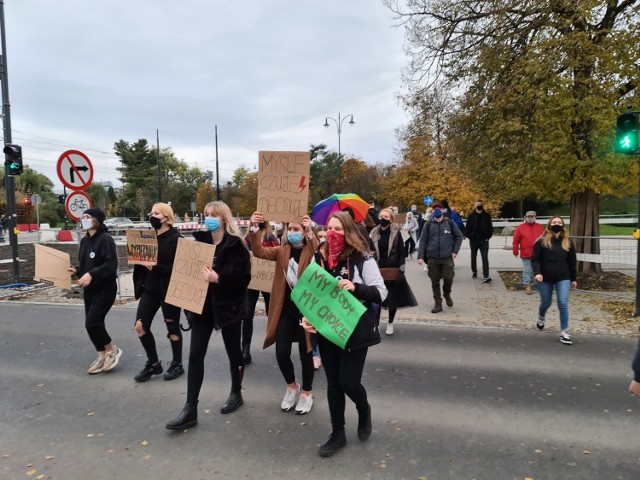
(77, 202)
(36, 199)
(428, 200)
(75, 170)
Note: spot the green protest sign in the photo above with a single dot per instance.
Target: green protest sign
(334, 313)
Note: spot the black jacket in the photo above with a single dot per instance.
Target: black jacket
(157, 279)
(98, 257)
(636, 365)
(227, 300)
(479, 226)
(439, 239)
(554, 263)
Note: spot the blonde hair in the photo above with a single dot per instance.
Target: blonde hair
(548, 235)
(166, 210)
(389, 211)
(221, 209)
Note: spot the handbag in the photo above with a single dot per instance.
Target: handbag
(390, 274)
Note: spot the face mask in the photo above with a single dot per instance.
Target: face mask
(86, 223)
(384, 223)
(212, 223)
(413, 209)
(556, 228)
(479, 208)
(437, 213)
(335, 241)
(322, 239)
(156, 223)
(295, 238)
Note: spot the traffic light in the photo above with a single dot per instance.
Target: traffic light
(26, 202)
(62, 199)
(13, 159)
(627, 133)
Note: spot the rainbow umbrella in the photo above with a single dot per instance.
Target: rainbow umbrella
(339, 201)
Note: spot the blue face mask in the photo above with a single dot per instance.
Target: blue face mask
(437, 213)
(212, 223)
(294, 238)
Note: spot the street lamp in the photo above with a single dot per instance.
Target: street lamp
(339, 123)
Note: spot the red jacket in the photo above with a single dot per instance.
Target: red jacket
(524, 237)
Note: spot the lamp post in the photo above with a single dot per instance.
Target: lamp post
(339, 123)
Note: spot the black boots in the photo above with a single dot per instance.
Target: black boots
(235, 397)
(336, 441)
(437, 307)
(174, 371)
(233, 403)
(448, 299)
(246, 356)
(150, 369)
(188, 417)
(364, 424)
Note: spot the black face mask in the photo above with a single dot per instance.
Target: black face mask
(156, 223)
(479, 208)
(384, 223)
(556, 228)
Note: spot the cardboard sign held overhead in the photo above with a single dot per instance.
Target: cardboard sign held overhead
(283, 185)
(142, 247)
(52, 265)
(262, 272)
(187, 287)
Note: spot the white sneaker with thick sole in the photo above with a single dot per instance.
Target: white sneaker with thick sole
(96, 366)
(565, 338)
(305, 402)
(389, 329)
(112, 359)
(290, 398)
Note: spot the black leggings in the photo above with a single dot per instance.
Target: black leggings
(344, 374)
(288, 330)
(148, 305)
(97, 303)
(200, 335)
(247, 323)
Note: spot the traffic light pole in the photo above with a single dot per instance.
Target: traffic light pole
(637, 312)
(8, 179)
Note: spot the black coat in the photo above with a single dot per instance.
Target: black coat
(479, 226)
(226, 301)
(98, 257)
(554, 263)
(157, 279)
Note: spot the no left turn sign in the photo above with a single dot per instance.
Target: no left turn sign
(75, 170)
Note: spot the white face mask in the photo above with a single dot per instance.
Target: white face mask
(87, 223)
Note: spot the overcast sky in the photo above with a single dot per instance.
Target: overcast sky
(85, 74)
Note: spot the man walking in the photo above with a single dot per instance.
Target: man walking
(439, 244)
(524, 237)
(479, 230)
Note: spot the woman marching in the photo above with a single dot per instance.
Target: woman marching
(411, 227)
(554, 265)
(224, 310)
(390, 252)
(150, 286)
(268, 239)
(344, 256)
(283, 318)
(97, 274)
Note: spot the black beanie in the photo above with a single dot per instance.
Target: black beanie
(95, 213)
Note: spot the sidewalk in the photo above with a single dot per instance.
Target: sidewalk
(492, 305)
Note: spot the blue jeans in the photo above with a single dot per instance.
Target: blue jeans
(527, 271)
(562, 291)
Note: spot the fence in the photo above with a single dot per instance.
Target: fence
(616, 252)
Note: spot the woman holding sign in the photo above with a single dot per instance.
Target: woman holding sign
(344, 256)
(224, 310)
(283, 318)
(150, 282)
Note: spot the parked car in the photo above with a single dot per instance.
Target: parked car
(117, 224)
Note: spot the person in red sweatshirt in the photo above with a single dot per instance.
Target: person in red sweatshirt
(524, 237)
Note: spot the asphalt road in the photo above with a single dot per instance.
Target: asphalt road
(448, 403)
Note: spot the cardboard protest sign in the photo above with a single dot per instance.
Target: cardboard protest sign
(262, 272)
(334, 313)
(187, 287)
(52, 265)
(142, 247)
(283, 185)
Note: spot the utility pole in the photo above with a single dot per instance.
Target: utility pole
(217, 169)
(8, 179)
(159, 169)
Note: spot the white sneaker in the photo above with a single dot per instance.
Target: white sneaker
(112, 359)
(565, 338)
(304, 404)
(96, 366)
(290, 398)
(389, 329)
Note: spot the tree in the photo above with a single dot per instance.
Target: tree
(539, 83)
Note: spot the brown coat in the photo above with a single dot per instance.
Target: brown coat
(281, 256)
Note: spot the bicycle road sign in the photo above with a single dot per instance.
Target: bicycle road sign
(75, 170)
(77, 202)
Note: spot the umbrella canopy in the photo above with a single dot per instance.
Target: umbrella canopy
(339, 201)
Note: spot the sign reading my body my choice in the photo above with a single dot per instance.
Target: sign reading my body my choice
(334, 313)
